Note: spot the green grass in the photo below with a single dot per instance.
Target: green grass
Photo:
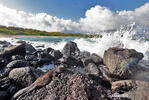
(21, 31)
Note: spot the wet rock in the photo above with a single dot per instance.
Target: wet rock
(70, 49)
(94, 58)
(49, 50)
(31, 58)
(122, 62)
(4, 83)
(92, 69)
(71, 61)
(41, 62)
(45, 55)
(4, 43)
(3, 62)
(40, 46)
(17, 64)
(21, 42)
(14, 50)
(85, 54)
(66, 85)
(4, 72)
(4, 95)
(127, 85)
(12, 89)
(23, 76)
(17, 57)
(29, 48)
(105, 73)
(56, 54)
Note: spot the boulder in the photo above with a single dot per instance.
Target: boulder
(45, 55)
(17, 64)
(122, 62)
(105, 73)
(40, 62)
(17, 57)
(12, 89)
(29, 48)
(85, 54)
(21, 42)
(14, 50)
(31, 58)
(4, 83)
(96, 59)
(93, 58)
(4, 72)
(3, 62)
(71, 61)
(92, 69)
(127, 85)
(67, 85)
(23, 76)
(49, 50)
(70, 49)
(56, 54)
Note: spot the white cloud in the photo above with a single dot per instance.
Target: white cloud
(96, 19)
(101, 18)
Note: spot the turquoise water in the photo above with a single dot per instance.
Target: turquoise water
(47, 39)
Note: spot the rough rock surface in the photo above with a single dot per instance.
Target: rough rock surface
(127, 85)
(122, 62)
(67, 85)
(17, 64)
(23, 76)
(29, 48)
(93, 58)
(92, 69)
(14, 50)
(70, 49)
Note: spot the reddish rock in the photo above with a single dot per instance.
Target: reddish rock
(67, 85)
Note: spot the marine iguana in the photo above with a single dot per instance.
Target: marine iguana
(40, 82)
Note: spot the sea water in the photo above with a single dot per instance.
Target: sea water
(124, 38)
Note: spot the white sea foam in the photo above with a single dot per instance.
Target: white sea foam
(122, 38)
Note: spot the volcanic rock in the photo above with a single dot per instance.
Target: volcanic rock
(127, 85)
(23, 76)
(122, 62)
(67, 85)
(70, 49)
(17, 64)
(29, 48)
(14, 50)
(92, 69)
(17, 57)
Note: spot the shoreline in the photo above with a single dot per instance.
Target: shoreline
(9, 36)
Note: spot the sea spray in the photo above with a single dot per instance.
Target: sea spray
(125, 37)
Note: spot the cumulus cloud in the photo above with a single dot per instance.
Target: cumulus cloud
(101, 18)
(41, 21)
(96, 19)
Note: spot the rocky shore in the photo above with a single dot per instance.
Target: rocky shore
(77, 75)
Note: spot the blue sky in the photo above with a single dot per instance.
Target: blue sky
(70, 9)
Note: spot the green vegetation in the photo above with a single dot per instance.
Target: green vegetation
(21, 31)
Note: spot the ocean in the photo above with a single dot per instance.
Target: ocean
(122, 38)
